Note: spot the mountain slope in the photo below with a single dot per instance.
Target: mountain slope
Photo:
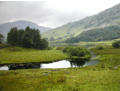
(5, 28)
(106, 18)
(98, 34)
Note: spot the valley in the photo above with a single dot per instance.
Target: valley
(81, 55)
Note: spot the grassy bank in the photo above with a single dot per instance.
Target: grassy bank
(109, 57)
(22, 55)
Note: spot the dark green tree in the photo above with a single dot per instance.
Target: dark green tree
(20, 37)
(29, 38)
(36, 39)
(44, 43)
(12, 37)
(1, 38)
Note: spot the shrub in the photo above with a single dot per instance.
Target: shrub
(100, 48)
(67, 49)
(76, 51)
(116, 44)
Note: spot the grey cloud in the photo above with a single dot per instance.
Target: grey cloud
(37, 12)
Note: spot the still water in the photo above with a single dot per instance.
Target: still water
(58, 64)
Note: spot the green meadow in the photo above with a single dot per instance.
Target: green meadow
(105, 76)
(23, 55)
(60, 80)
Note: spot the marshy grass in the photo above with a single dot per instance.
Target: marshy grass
(109, 57)
(60, 80)
(22, 55)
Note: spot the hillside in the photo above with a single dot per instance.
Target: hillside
(98, 34)
(105, 18)
(5, 28)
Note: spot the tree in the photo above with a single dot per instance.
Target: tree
(29, 38)
(1, 38)
(44, 43)
(32, 38)
(20, 37)
(37, 39)
(13, 36)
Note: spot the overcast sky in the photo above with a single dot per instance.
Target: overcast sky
(52, 13)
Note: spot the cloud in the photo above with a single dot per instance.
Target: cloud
(33, 11)
(51, 13)
(37, 12)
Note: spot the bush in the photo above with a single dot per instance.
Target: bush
(100, 48)
(67, 49)
(116, 44)
(76, 51)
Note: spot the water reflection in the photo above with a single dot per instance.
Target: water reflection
(24, 66)
(58, 64)
(77, 63)
(4, 68)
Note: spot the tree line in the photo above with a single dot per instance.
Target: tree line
(28, 38)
